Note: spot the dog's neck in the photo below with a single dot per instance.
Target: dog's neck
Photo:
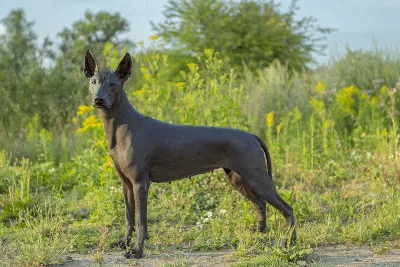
(118, 115)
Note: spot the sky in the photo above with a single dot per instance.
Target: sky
(359, 24)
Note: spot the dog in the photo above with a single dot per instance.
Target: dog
(146, 150)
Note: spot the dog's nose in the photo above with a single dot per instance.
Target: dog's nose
(98, 100)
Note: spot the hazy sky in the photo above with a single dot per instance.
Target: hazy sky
(358, 22)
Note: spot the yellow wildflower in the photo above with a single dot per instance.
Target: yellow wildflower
(350, 89)
(326, 124)
(83, 109)
(384, 90)
(384, 132)
(180, 85)
(317, 104)
(107, 163)
(364, 96)
(140, 92)
(188, 97)
(141, 43)
(99, 142)
(81, 130)
(144, 70)
(208, 52)
(147, 76)
(153, 37)
(270, 118)
(374, 100)
(193, 66)
(344, 98)
(320, 87)
(89, 122)
(74, 119)
(278, 128)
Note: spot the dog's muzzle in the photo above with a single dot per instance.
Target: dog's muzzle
(99, 103)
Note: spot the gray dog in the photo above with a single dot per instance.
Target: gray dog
(146, 150)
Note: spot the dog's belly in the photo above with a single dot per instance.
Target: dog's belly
(161, 174)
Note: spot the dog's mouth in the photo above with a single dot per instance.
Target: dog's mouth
(102, 107)
(100, 104)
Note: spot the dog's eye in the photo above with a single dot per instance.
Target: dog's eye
(94, 82)
(113, 84)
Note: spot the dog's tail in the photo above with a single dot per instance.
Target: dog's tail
(266, 151)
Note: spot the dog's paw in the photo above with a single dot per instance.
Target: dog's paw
(139, 254)
(129, 254)
(118, 244)
(259, 228)
(134, 253)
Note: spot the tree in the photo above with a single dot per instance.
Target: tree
(18, 42)
(253, 33)
(17, 59)
(93, 32)
(28, 85)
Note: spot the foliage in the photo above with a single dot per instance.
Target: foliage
(219, 106)
(35, 81)
(94, 31)
(335, 155)
(333, 141)
(17, 47)
(366, 69)
(253, 33)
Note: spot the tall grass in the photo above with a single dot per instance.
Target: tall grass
(334, 149)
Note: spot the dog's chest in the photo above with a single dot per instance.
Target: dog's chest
(122, 156)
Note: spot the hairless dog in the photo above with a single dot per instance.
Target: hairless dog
(146, 150)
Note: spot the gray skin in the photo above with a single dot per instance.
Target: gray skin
(146, 150)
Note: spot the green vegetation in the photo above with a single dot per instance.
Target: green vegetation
(332, 134)
(254, 33)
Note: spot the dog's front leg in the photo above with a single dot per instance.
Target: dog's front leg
(140, 189)
(127, 189)
(129, 212)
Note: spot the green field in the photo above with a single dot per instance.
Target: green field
(332, 133)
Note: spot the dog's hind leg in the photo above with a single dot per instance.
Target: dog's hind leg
(287, 211)
(262, 186)
(236, 180)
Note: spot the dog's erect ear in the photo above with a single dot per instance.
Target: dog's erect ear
(123, 70)
(91, 65)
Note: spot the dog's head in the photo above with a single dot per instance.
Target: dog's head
(105, 86)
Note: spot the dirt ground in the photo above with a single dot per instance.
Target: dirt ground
(206, 258)
(355, 256)
(323, 256)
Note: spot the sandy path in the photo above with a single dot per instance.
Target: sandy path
(355, 256)
(175, 258)
(323, 256)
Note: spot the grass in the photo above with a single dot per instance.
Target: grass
(335, 156)
(180, 261)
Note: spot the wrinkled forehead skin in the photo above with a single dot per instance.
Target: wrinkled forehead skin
(106, 76)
